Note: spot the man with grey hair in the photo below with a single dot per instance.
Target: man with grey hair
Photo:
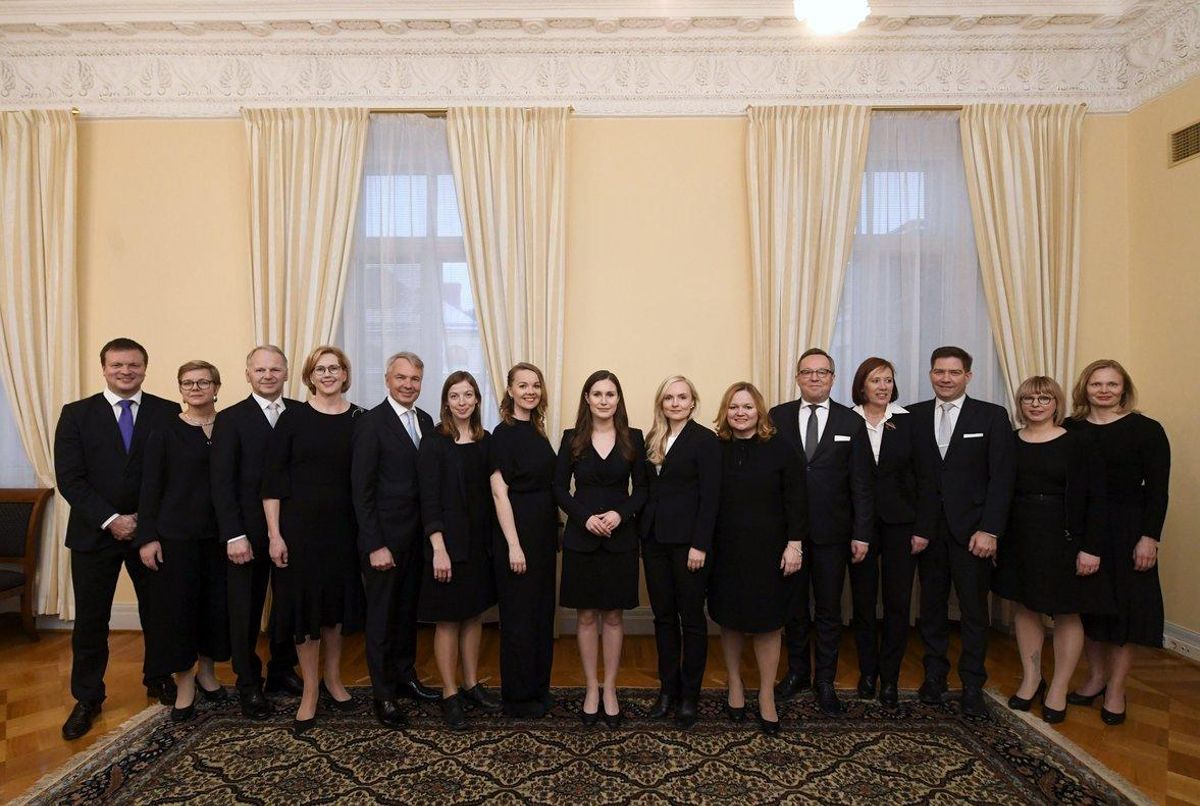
(239, 447)
(387, 504)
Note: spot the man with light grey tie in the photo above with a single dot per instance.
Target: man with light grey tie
(964, 453)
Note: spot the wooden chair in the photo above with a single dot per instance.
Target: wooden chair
(21, 514)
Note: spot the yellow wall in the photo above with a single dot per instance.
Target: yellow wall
(1104, 315)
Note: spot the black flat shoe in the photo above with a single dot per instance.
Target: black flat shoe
(1074, 698)
(413, 689)
(735, 714)
(179, 715)
(254, 704)
(1022, 704)
(889, 695)
(302, 726)
(453, 713)
(218, 694)
(931, 691)
(613, 720)
(768, 727)
(866, 687)
(284, 683)
(345, 706)
(971, 702)
(686, 714)
(662, 706)
(389, 714)
(481, 698)
(792, 684)
(827, 699)
(80, 721)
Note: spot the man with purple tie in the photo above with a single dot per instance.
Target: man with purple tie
(98, 448)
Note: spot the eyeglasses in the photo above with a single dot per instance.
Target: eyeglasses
(332, 369)
(190, 384)
(1041, 400)
(815, 373)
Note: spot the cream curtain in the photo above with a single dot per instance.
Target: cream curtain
(510, 167)
(1023, 179)
(804, 168)
(305, 173)
(38, 323)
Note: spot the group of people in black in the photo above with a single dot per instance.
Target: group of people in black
(376, 520)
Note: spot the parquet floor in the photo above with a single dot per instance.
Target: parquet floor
(1157, 749)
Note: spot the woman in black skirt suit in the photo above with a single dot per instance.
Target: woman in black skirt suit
(177, 539)
(526, 544)
(1048, 561)
(600, 559)
(313, 534)
(456, 513)
(676, 526)
(762, 522)
(1137, 470)
(890, 433)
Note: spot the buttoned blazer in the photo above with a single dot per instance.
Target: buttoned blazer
(682, 499)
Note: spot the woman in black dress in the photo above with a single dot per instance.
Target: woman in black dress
(177, 539)
(762, 522)
(456, 513)
(1137, 470)
(890, 433)
(684, 480)
(1047, 562)
(313, 535)
(526, 544)
(600, 559)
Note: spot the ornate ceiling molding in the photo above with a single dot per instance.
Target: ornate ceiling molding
(184, 59)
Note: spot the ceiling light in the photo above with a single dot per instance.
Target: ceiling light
(825, 17)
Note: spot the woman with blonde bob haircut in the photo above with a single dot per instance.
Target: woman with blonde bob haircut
(762, 523)
(1049, 561)
(676, 527)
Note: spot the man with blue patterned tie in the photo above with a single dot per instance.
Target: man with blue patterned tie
(98, 464)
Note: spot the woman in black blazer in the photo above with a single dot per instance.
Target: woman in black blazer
(684, 485)
(458, 519)
(177, 539)
(604, 456)
(890, 433)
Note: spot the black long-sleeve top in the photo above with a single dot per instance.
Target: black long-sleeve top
(600, 485)
(176, 498)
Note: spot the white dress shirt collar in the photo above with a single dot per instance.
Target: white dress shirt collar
(400, 408)
(824, 404)
(892, 408)
(957, 402)
(263, 402)
(113, 398)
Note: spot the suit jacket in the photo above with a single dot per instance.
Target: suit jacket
(840, 476)
(895, 472)
(682, 499)
(93, 471)
(239, 455)
(600, 485)
(973, 486)
(445, 501)
(384, 480)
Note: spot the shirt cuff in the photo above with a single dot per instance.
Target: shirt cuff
(111, 518)
(235, 539)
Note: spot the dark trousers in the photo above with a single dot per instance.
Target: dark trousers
(827, 566)
(680, 626)
(187, 618)
(899, 565)
(246, 592)
(527, 607)
(944, 563)
(864, 596)
(94, 581)
(392, 620)
(797, 630)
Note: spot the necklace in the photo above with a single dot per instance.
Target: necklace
(200, 423)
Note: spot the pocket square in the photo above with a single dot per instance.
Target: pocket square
(973, 436)
(841, 438)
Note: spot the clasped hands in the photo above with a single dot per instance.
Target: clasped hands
(604, 524)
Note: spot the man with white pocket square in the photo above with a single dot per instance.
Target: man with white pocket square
(965, 463)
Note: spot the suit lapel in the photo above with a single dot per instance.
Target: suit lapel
(827, 436)
(397, 428)
(679, 440)
(109, 424)
(959, 427)
(790, 427)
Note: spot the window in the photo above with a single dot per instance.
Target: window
(408, 286)
(913, 281)
(15, 470)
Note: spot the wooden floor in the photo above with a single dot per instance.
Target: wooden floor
(1157, 749)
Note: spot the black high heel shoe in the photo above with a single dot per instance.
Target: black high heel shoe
(218, 694)
(735, 714)
(1111, 717)
(1052, 716)
(302, 726)
(613, 721)
(1075, 698)
(186, 714)
(590, 719)
(768, 727)
(345, 706)
(1021, 704)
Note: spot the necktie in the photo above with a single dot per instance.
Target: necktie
(273, 413)
(945, 429)
(410, 425)
(810, 432)
(125, 422)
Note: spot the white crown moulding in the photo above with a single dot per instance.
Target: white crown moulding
(182, 58)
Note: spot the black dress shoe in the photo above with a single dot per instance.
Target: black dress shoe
(218, 694)
(185, 714)
(613, 720)
(866, 687)
(827, 699)
(412, 689)
(971, 703)
(479, 697)
(1053, 716)
(735, 714)
(662, 706)
(792, 684)
(589, 720)
(345, 706)
(302, 726)
(254, 704)
(284, 683)
(80, 721)
(768, 727)
(388, 713)
(1022, 704)
(1074, 698)
(889, 695)
(931, 690)
(161, 689)
(452, 712)
(1111, 717)
(686, 713)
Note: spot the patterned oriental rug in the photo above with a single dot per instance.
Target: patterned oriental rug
(917, 755)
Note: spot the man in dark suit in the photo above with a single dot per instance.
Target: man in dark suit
(239, 447)
(383, 475)
(965, 460)
(98, 448)
(841, 518)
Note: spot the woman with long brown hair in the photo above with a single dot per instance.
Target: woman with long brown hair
(607, 460)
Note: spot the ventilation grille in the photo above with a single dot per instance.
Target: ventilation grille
(1185, 143)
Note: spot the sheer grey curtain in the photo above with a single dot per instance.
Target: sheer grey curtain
(408, 287)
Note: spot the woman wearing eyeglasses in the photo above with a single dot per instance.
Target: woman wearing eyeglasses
(312, 530)
(1049, 562)
(177, 540)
